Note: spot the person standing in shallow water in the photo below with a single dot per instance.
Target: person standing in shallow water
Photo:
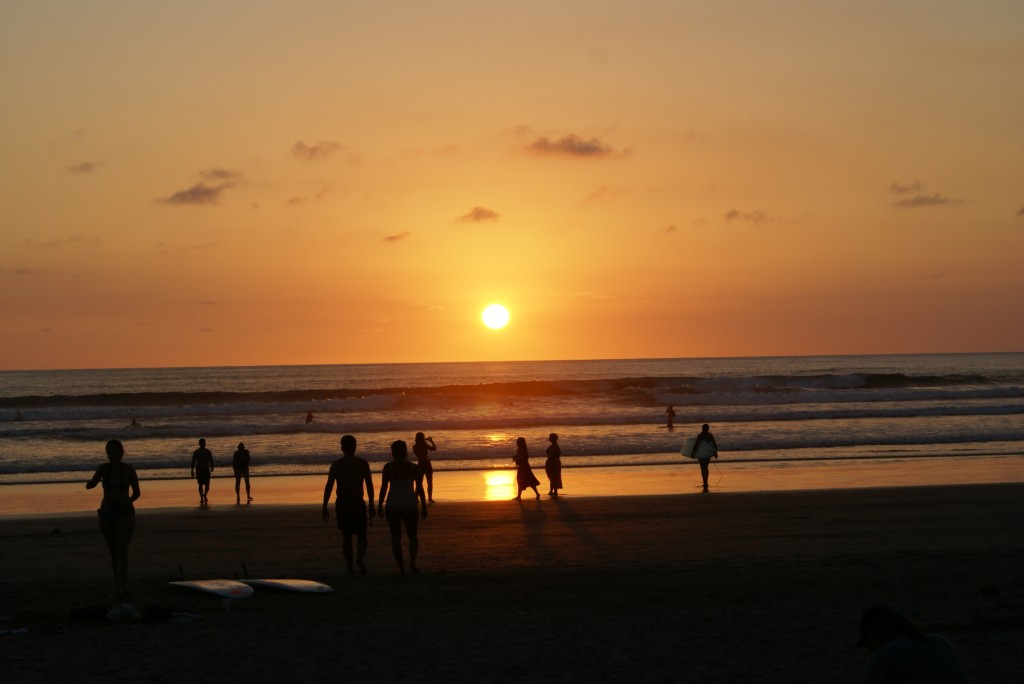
(402, 484)
(420, 448)
(240, 464)
(553, 466)
(117, 510)
(705, 436)
(670, 414)
(524, 474)
(202, 471)
(352, 474)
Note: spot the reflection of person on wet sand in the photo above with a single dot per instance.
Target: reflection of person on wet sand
(402, 483)
(117, 512)
(524, 474)
(351, 473)
(670, 413)
(420, 447)
(240, 464)
(553, 466)
(202, 471)
(309, 417)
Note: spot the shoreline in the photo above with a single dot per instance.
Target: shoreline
(756, 586)
(71, 498)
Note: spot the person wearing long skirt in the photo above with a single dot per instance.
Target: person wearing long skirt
(524, 474)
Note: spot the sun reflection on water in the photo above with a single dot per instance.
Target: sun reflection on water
(499, 485)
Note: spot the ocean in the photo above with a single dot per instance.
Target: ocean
(54, 424)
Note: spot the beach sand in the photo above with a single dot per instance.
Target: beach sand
(723, 587)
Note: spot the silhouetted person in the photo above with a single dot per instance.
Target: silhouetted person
(116, 511)
(351, 474)
(240, 464)
(670, 413)
(900, 652)
(134, 423)
(402, 483)
(420, 447)
(309, 417)
(553, 466)
(202, 471)
(524, 474)
(705, 436)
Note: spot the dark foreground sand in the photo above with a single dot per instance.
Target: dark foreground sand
(739, 587)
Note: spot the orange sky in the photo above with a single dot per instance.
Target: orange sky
(320, 182)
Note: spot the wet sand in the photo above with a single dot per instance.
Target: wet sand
(728, 586)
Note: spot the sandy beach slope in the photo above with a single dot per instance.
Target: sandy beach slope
(762, 587)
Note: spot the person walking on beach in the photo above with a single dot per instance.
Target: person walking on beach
(670, 413)
(524, 474)
(420, 448)
(117, 510)
(900, 652)
(240, 464)
(351, 473)
(402, 484)
(202, 471)
(553, 466)
(705, 436)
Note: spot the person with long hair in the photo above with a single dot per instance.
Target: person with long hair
(401, 486)
(117, 510)
(553, 466)
(524, 474)
(420, 448)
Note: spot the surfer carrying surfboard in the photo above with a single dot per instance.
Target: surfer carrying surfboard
(704, 455)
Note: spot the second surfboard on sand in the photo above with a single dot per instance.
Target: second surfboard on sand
(300, 586)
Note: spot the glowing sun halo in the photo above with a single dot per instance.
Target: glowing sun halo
(495, 316)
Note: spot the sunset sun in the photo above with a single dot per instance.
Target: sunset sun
(495, 316)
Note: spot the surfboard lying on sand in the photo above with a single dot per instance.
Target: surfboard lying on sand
(222, 588)
(297, 585)
(704, 451)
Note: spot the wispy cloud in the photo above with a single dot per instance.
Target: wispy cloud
(478, 214)
(758, 217)
(671, 229)
(1020, 212)
(913, 195)
(905, 188)
(933, 200)
(84, 167)
(570, 146)
(219, 174)
(26, 272)
(199, 194)
(321, 150)
(52, 244)
(398, 237)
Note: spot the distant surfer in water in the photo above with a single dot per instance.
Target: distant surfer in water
(705, 436)
(202, 471)
(309, 417)
(240, 464)
(351, 473)
(117, 510)
(420, 448)
(670, 414)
